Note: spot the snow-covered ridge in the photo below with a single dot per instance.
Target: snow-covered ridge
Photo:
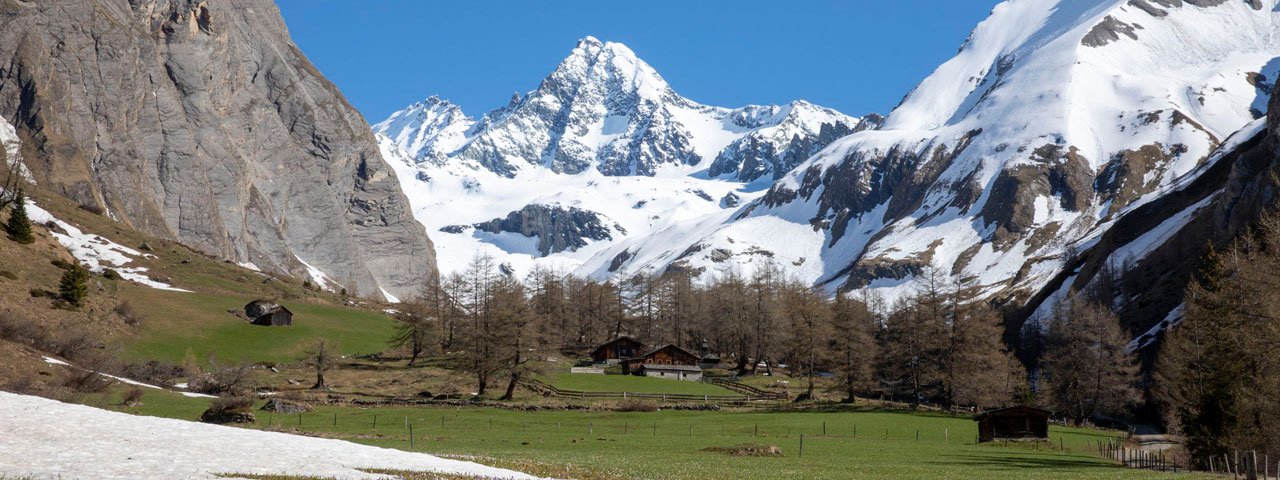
(48, 439)
(1055, 116)
(603, 133)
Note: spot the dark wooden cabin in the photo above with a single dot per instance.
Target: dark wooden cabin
(617, 350)
(1013, 423)
(664, 355)
(268, 313)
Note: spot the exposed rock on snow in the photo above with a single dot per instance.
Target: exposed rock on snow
(48, 439)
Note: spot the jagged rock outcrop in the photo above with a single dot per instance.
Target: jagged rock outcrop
(557, 228)
(1145, 261)
(202, 122)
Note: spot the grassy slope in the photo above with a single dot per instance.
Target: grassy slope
(176, 322)
(605, 445)
(631, 384)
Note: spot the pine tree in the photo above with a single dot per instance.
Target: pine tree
(19, 225)
(74, 286)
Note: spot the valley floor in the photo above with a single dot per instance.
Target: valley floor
(839, 442)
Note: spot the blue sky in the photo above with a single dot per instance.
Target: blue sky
(857, 56)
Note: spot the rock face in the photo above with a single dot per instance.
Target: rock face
(557, 228)
(202, 122)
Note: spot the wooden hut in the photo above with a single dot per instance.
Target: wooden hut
(617, 350)
(268, 313)
(1013, 423)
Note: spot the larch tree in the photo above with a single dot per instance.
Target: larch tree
(851, 349)
(1086, 368)
(808, 321)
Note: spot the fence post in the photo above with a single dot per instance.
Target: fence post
(375, 421)
(801, 445)
(591, 428)
(335, 419)
(410, 436)
(824, 429)
(299, 419)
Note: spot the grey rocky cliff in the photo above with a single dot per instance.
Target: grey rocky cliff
(201, 121)
(557, 228)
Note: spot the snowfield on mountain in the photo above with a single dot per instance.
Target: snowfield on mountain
(603, 140)
(1055, 117)
(50, 439)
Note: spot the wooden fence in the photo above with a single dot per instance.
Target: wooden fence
(1119, 451)
(547, 389)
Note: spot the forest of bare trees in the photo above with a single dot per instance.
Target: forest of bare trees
(941, 346)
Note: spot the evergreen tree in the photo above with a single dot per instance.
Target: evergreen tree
(74, 286)
(19, 225)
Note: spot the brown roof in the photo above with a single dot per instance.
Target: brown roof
(1014, 411)
(616, 340)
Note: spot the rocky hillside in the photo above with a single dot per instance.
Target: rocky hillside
(202, 122)
(1054, 120)
(602, 137)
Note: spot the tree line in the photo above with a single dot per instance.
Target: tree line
(941, 345)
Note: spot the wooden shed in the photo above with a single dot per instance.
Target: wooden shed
(268, 313)
(1013, 423)
(617, 350)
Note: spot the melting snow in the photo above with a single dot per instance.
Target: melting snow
(48, 439)
(97, 253)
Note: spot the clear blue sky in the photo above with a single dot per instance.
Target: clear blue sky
(857, 56)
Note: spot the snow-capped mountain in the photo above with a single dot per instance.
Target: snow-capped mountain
(604, 150)
(1056, 117)
(428, 130)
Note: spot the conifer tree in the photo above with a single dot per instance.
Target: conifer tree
(74, 286)
(19, 224)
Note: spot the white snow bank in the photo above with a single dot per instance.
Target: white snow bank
(95, 252)
(49, 439)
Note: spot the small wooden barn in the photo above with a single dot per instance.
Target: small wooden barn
(617, 350)
(268, 313)
(1013, 423)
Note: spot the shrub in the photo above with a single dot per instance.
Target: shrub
(60, 263)
(636, 406)
(132, 397)
(111, 274)
(9, 275)
(74, 286)
(129, 314)
(231, 404)
(19, 331)
(19, 224)
(154, 372)
(40, 293)
(94, 209)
